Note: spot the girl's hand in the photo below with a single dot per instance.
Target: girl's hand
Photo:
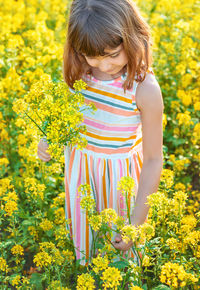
(41, 152)
(119, 244)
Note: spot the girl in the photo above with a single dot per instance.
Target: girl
(108, 46)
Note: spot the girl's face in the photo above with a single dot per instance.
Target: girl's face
(112, 63)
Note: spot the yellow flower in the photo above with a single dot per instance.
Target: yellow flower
(167, 177)
(135, 288)
(197, 106)
(186, 99)
(55, 285)
(179, 165)
(17, 250)
(80, 85)
(174, 275)
(164, 121)
(69, 256)
(95, 222)
(173, 244)
(172, 157)
(100, 263)
(192, 238)
(42, 259)
(3, 161)
(61, 233)
(180, 186)
(85, 282)
(47, 245)
(188, 222)
(88, 203)
(3, 265)
(108, 215)
(11, 196)
(196, 133)
(127, 185)
(33, 232)
(111, 277)
(146, 261)
(16, 280)
(120, 222)
(184, 118)
(10, 207)
(59, 216)
(46, 225)
(146, 231)
(175, 104)
(129, 233)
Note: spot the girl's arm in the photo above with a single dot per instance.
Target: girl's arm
(150, 103)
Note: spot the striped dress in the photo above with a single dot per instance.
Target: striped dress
(114, 150)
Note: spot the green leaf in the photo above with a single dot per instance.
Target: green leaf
(36, 280)
(161, 287)
(119, 264)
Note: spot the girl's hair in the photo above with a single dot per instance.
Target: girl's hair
(95, 25)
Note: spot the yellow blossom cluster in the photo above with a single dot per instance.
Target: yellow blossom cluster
(127, 185)
(34, 189)
(17, 250)
(69, 256)
(46, 225)
(175, 276)
(100, 263)
(111, 278)
(87, 201)
(8, 197)
(42, 259)
(129, 233)
(85, 282)
(59, 216)
(3, 265)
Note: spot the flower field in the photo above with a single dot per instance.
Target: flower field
(35, 249)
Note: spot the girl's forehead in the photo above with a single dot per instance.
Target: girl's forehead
(109, 50)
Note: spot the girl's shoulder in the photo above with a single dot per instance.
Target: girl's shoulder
(148, 91)
(149, 71)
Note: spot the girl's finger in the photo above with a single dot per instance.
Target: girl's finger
(118, 238)
(43, 154)
(44, 157)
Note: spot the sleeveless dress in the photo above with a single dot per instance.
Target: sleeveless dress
(114, 150)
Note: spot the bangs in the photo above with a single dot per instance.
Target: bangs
(94, 37)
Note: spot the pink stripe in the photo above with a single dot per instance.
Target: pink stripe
(113, 110)
(78, 215)
(98, 189)
(116, 84)
(109, 128)
(67, 196)
(111, 183)
(121, 196)
(92, 177)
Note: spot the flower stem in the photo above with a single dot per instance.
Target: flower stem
(35, 123)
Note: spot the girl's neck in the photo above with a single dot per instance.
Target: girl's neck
(97, 74)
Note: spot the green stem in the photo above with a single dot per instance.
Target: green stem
(76, 248)
(129, 218)
(36, 124)
(138, 253)
(57, 270)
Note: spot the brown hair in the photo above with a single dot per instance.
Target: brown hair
(98, 24)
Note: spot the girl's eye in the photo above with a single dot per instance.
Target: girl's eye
(114, 55)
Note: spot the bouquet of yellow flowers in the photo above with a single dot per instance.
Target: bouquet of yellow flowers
(56, 112)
